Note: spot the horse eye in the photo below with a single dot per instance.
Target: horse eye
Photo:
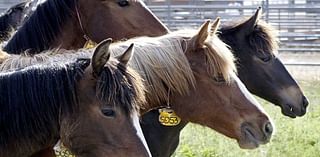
(219, 79)
(266, 58)
(123, 3)
(108, 112)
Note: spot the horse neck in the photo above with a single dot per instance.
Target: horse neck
(71, 36)
(40, 32)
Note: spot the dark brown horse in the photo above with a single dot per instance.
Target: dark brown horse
(67, 24)
(253, 43)
(91, 105)
(11, 19)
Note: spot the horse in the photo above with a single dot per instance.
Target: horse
(268, 78)
(254, 44)
(194, 73)
(11, 19)
(92, 105)
(69, 24)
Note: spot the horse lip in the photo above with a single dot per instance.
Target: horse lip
(250, 137)
(288, 110)
(292, 112)
(249, 140)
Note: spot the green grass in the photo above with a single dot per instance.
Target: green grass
(298, 137)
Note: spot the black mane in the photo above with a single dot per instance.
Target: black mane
(42, 27)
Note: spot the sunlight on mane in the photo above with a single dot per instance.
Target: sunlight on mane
(162, 63)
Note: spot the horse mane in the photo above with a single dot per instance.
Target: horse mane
(264, 38)
(40, 103)
(11, 62)
(31, 104)
(42, 27)
(161, 61)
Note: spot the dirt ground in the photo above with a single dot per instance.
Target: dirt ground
(302, 72)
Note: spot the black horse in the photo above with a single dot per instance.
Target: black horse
(254, 43)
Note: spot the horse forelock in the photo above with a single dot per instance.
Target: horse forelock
(162, 64)
(219, 58)
(120, 85)
(264, 38)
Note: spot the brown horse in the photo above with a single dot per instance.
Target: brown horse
(69, 23)
(91, 105)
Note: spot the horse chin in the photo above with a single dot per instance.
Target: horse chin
(248, 140)
(291, 111)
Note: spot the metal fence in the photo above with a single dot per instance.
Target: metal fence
(5, 4)
(297, 20)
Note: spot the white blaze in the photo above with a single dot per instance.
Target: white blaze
(136, 124)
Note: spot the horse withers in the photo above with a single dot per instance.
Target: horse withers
(92, 105)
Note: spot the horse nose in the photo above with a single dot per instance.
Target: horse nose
(305, 102)
(268, 129)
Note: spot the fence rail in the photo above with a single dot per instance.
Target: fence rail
(298, 24)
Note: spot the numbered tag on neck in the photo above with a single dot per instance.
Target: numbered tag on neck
(61, 151)
(89, 44)
(168, 117)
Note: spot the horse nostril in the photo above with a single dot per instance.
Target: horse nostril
(268, 129)
(305, 102)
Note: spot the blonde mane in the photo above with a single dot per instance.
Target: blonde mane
(220, 59)
(162, 62)
(10, 62)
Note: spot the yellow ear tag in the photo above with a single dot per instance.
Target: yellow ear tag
(168, 117)
(61, 151)
(89, 44)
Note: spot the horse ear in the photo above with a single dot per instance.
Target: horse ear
(127, 55)
(203, 33)
(215, 26)
(250, 24)
(100, 56)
